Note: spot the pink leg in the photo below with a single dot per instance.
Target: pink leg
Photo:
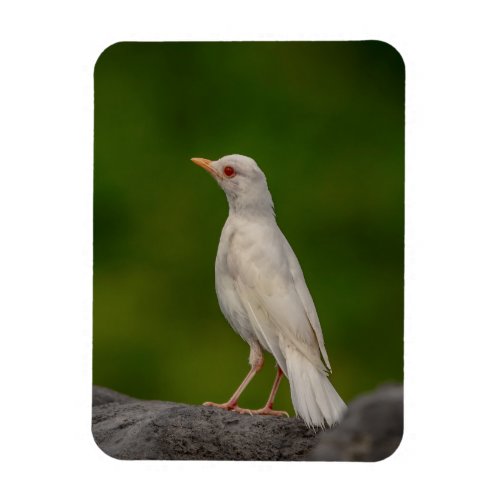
(274, 390)
(268, 408)
(257, 361)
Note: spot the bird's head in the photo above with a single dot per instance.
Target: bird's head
(243, 182)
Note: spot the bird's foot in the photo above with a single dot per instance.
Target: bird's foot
(262, 411)
(232, 406)
(223, 406)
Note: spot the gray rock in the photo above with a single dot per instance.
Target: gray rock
(134, 429)
(371, 430)
(128, 428)
(103, 395)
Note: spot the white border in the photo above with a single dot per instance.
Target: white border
(452, 246)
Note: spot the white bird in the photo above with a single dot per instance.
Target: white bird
(264, 297)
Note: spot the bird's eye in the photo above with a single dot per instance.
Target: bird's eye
(229, 171)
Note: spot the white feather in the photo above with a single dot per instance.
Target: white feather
(263, 294)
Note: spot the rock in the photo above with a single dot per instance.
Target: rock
(371, 430)
(103, 395)
(128, 428)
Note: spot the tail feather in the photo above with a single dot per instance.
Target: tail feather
(314, 398)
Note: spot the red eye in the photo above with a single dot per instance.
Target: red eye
(229, 171)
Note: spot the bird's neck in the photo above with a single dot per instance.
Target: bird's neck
(255, 206)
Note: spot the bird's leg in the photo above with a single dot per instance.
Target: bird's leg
(268, 408)
(269, 405)
(256, 362)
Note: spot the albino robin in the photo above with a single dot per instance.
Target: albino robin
(264, 297)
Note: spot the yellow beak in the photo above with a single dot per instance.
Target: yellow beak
(206, 164)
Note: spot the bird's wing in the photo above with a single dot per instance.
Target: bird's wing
(306, 299)
(265, 281)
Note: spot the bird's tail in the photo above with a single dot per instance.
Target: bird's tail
(314, 398)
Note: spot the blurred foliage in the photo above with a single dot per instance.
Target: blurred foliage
(325, 121)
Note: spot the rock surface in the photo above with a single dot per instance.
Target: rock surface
(128, 428)
(371, 430)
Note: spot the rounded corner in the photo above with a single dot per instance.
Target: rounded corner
(105, 52)
(393, 452)
(103, 451)
(389, 46)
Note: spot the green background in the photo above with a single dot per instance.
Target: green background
(325, 121)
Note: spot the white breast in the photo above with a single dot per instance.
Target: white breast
(225, 285)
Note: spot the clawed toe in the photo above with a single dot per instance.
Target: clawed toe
(261, 411)
(274, 413)
(229, 406)
(222, 406)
